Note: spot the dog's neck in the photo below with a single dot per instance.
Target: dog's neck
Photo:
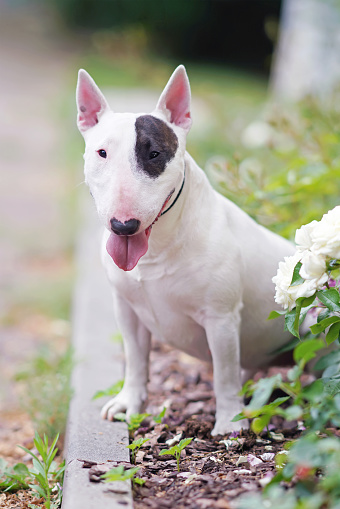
(176, 196)
(167, 234)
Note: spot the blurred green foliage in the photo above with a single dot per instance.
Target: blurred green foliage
(46, 390)
(287, 172)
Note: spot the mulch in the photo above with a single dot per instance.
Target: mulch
(214, 471)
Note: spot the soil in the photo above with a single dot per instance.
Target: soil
(214, 471)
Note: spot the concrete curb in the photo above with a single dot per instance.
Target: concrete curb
(99, 364)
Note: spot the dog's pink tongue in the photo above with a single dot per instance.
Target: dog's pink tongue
(125, 251)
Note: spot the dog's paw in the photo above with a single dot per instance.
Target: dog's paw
(127, 401)
(223, 426)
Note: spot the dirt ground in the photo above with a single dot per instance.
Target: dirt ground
(214, 471)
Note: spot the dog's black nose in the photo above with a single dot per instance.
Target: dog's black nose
(127, 228)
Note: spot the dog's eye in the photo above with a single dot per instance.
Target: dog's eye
(102, 153)
(153, 154)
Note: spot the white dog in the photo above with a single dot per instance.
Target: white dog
(185, 264)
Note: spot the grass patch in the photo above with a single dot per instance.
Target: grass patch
(46, 392)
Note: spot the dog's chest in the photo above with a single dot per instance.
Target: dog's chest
(166, 312)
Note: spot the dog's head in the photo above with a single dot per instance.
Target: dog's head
(134, 163)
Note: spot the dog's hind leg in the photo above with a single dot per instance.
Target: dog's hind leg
(137, 341)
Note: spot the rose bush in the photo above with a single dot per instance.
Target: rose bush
(309, 269)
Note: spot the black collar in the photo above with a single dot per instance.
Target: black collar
(178, 195)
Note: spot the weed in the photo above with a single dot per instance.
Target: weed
(134, 422)
(13, 478)
(110, 391)
(159, 418)
(46, 390)
(135, 446)
(43, 479)
(176, 450)
(120, 474)
(43, 470)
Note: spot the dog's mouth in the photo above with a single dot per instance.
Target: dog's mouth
(127, 250)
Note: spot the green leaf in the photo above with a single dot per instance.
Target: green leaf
(136, 420)
(330, 298)
(321, 326)
(287, 347)
(294, 373)
(292, 321)
(259, 423)
(137, 443)
(308, 301)
(313, 392)
(333, 333)
(21, 469)
(324, 313)
(138, 480)
(39, 467)
(293, 413)
(158, 418)
(238, 417)
(331, 386)
(119, 474)
(28, 452)
(306, 350)
(297, 279)
(263, 391)
(328, 360)
(172, 451)
(183, 443)
(110, 391)
(275, 314)
(38, 489)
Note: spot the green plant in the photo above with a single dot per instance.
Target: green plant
(287, 171)
(113, 390)
(46, 390)
(176, 450)
(44, 470)
(134, 422)
(44, 478)
(135, 446)
(307, 282)
(120, 474)
(312, 467)
(159, 418)
(13, 478)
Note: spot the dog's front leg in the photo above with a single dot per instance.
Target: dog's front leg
(137, 340)
(224, 344)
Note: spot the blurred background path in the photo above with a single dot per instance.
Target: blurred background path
(35, 242)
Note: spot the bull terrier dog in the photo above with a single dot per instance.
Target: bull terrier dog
(186, 265)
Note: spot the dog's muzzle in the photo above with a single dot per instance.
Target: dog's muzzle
(127, 228)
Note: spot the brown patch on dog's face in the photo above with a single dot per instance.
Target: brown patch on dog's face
(156, 145)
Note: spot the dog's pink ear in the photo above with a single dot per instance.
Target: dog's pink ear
(91, 103)
(174, 102)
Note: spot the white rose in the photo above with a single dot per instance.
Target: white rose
(313, 267)
(287, 295)
(303, 238)
(282, 280)
(326, 235)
